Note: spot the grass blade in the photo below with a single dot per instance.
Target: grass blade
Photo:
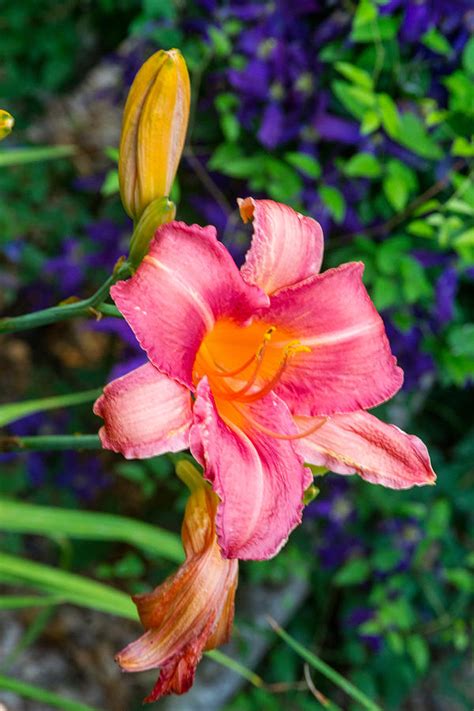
(89, 525)
(20, 156)
(18, 602)
(325, 669)
(71, 587)
(16, 410)
(80, 591)
(36, 693)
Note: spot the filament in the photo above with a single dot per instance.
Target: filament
(278, 435)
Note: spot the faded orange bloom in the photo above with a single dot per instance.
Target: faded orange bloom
(193, 610)
(6, 124)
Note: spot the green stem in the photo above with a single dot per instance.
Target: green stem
(236, 667)
(325, 669)
(108, 310)
(28, 691)
(35, 154)
(16, 410)
(84, 307)
(43, 443)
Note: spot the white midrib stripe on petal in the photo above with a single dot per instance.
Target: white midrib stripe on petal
(323, 339)
(203, 309)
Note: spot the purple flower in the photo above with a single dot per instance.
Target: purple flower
(446, 289)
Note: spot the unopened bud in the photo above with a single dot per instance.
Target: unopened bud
(6, 124)
(153, 131)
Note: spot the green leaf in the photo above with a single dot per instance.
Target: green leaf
(230, 126)
(464, 245)
(363, 165)
(460, 578)
(88, 525)
(18, 602)
(20, 156)
(354, 572)
(111, 185)
(36, 693)
(71, 587)
(462, 147)
(220, 41)
(356, 104)
(415, 285)
(16, 410)
(389, 115)
(386, 559)
(437, 42)
(304, 163)
(385, 292)
(355, 74)
(461, 340)
(468, 56)
(420, 228)
(418, 650)
(388, 253)
(395, 191)
(396, 642)
(333, 199)
(370, 122)
(414, 136)
(438, 519)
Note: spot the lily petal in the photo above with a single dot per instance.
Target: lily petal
(360, 443)
(145, 414)
(185, 283)
(286, 248)
(192, 610)
(259, 479)
(350, 365)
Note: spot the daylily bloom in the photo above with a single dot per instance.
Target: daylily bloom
(256, 371)
(193, 610)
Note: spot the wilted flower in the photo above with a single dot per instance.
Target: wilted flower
(193, 610)
(281, 361)
(6, 124)
(153, 131)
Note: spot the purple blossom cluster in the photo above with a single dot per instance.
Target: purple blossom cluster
(283, 84)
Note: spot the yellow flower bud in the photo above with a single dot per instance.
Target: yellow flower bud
(153, 131)
(6, 124)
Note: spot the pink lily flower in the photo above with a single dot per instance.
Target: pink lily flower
(258, 371)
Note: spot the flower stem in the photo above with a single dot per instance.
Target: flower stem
(325, 669)
(83, 307)
(41, 443)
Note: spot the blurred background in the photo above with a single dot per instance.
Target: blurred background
(360, 114)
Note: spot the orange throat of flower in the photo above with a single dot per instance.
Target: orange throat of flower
(244, 364)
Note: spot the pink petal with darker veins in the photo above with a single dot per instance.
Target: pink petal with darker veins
(360, 443)
(286, 248)
(259, 479)
(350, 365)
(145, 414)
(185, 283)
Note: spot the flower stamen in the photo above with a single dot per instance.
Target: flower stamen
(278, 435)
